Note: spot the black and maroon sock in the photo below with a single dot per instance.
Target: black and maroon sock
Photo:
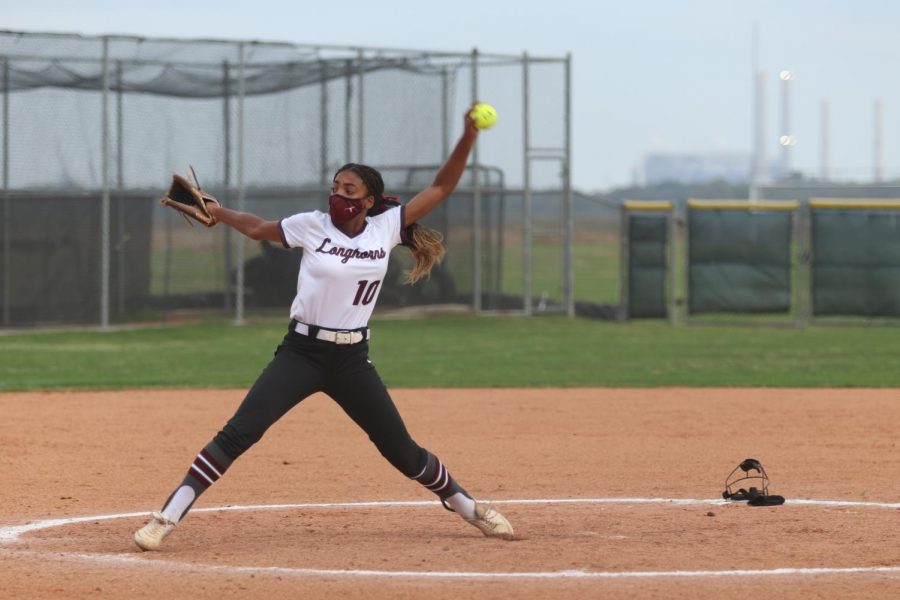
(208, 466)
(437, 478)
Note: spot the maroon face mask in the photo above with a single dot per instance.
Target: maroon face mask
(342, 209)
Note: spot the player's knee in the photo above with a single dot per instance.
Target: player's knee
(235, 442)
(408, 457)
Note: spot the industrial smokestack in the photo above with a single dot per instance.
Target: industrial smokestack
(879, 140)
(786, 139)
(758, 168)
(761, 171)
(824, 149)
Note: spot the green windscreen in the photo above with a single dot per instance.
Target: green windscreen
(856, 262)
(739, 261)
(647, 240)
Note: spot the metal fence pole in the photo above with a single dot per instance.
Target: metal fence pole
(120, 187)
(445, 115)
(803, 263)
(323, 122)
(444, 209)
(526, 193)
(120, 146)
(360, 107)
(624, 260)
(226, 180)
(569, 269)
(672, 264)
(104, 203)
(476, 204)
(239, 303)
(348, 103)
(7, 229)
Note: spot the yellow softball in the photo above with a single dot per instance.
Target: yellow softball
(484, 115)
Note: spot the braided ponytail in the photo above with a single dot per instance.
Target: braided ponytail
(425, 244)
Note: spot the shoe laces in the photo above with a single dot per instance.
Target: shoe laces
(159, 521)
(485, 516)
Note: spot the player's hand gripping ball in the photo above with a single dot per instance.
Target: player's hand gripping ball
(483, 115)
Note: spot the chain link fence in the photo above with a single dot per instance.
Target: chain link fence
(93, 127)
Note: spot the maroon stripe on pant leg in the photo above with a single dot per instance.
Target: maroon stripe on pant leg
(213, 461)
(442, 482)
(197, 475)
(435, 476)
(202, 466)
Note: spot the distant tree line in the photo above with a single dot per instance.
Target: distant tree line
(610, 201)
(677, 192)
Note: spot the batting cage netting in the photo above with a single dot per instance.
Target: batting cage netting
(94, 127)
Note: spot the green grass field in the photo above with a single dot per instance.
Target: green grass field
(187, 269)
(463, 351)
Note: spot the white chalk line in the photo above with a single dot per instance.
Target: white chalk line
(141, 561)
(9, 534)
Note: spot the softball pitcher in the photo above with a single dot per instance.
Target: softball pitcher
(345, 258)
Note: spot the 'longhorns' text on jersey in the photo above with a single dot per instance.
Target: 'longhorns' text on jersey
(340, 276)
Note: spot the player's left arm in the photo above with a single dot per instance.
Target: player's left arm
(447, 177)
(253, 226)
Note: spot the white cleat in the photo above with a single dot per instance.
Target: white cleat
(491, 523)
(151, 535)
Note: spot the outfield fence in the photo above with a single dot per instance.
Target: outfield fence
(794, 261)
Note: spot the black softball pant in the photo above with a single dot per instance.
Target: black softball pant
(302, 366)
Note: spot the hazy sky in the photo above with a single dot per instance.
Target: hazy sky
(648, 76)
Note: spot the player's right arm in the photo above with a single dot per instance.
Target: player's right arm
(253, 226)
(447, 177)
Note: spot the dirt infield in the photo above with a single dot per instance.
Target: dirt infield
(561, 464)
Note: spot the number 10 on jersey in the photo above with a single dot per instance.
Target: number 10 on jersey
(365, 291)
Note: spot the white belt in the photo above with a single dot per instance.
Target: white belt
(335, 337)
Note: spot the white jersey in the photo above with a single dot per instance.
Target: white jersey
(340, 276)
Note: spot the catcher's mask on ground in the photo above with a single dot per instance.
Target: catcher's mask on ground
(750, 470)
